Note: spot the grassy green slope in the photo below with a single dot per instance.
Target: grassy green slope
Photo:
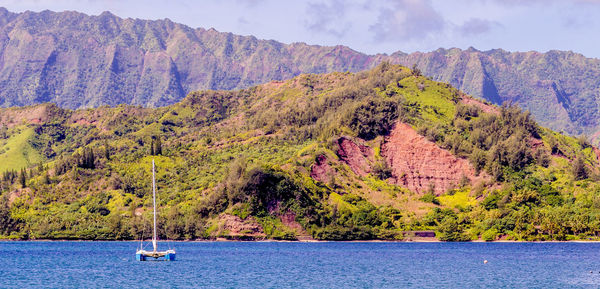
(17, 152)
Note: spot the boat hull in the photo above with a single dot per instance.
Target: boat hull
(164, 255)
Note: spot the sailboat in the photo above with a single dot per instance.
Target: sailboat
(143, 255)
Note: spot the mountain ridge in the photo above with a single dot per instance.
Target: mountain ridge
(80, 61)
(169, 49)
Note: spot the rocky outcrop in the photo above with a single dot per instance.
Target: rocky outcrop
(421, 165)
(289, 220)
(356, 156)
(234, 227)
(321, 170)
(596, 152)
(28, 115)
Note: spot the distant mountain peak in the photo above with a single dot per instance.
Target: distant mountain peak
(107, 14)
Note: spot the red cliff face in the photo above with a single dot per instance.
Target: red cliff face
(234, 226)
(320, 170)
(356, 156)
(421, 165)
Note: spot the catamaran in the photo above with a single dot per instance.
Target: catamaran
(143, 255)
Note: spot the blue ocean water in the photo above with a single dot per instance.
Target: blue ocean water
(302, 265)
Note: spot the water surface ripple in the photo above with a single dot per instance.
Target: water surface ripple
(302, 265)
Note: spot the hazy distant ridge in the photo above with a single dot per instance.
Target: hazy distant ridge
(76, 60)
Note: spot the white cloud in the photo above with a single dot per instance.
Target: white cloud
(403, 20)
(328, 17)
(476, 26)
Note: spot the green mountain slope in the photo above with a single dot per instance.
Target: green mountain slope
(337, 156)
(17, 152)
(559, 88)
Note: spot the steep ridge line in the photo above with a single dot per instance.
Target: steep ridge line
(81, 61)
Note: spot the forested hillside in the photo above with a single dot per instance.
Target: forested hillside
(337, 156)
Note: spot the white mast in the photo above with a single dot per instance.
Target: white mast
(154, 203)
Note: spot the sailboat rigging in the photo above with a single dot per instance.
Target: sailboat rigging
(143, 255)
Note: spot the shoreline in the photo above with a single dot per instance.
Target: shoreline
(219, 240)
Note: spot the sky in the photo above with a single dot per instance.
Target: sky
(373, 26)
